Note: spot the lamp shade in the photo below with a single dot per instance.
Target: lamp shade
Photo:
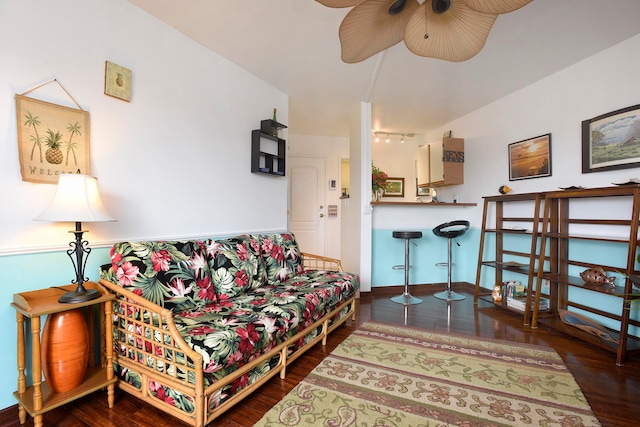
(76, 200)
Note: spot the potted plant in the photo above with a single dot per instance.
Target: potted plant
(378, 182)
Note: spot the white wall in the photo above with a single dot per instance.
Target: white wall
(398, 161)
(172, 161)
(332, 149)
(557, 104)
(355, 222)
(360, 129)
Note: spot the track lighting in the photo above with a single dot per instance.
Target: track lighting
(387, 136)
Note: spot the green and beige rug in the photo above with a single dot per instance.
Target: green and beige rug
(384, 375)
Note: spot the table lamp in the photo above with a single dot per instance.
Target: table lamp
(77, 200)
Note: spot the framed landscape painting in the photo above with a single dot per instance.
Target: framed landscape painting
(395, 187)
(530, 158)
(611, 141)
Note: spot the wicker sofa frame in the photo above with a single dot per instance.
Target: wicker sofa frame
(170, 354)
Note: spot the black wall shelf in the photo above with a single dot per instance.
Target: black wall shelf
(268, 150)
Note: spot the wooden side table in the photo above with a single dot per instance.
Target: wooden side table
(37, 399)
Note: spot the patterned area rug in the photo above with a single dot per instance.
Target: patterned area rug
(387, 375)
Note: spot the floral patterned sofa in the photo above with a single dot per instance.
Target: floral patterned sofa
(200, 324)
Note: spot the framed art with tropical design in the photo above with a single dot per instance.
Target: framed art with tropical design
(117, 81)
(52, 139)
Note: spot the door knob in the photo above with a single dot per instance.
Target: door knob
(321, 215)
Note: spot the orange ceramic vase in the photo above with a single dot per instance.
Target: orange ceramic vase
(65, 350)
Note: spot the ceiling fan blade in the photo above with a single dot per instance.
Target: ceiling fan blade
(455, 35)
(339, 3)
(496, 6)
(368, 29)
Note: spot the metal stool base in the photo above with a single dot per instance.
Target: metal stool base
(406, 299)
(449, 295)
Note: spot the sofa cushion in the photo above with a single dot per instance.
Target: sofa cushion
(235, 265)
(281, 255)
(232, 332)
(172, 274)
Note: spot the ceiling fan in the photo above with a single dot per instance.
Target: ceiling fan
(453, 30)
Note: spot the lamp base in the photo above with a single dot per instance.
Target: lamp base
(79, 295)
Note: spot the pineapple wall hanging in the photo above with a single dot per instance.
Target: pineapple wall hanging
(52, 139)
(117, 81)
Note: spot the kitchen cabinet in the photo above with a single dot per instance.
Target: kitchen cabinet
(440, 163)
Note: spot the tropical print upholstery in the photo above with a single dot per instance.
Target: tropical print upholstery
(281, 256)
(172, 274)
(232, 332)
(232, 301)
(236, 265)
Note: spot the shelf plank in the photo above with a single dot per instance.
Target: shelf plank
(503, 305)
(633, 343)
(577, 282)
(95, 379)
(45, 301)
(508, 267)
(422, 204)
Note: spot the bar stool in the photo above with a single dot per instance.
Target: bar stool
(406, 298)
(450, 230)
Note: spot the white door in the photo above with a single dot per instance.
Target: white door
(307, 213)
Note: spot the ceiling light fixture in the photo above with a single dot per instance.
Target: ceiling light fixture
(387, 136)
(453, 30)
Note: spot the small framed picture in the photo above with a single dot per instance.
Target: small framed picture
(117, 81)
(395, 187)
(611, 141)
(530, 158)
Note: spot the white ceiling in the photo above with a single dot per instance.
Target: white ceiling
(294, 45)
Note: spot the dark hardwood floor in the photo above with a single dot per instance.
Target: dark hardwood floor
(612, 391)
